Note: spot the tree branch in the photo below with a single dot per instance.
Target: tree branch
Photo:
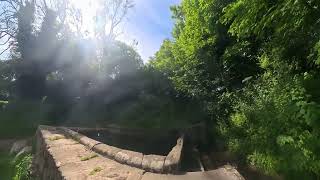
(9, 38)
(5, 50)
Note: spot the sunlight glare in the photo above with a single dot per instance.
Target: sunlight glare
(88, 10)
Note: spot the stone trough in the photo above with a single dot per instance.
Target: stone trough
(150, 162)
(66, 153)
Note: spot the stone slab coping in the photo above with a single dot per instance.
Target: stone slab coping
(151, 163)
(223, 173)
(152, 130)
(59, 156)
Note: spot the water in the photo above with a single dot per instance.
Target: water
(159, 144)
(146, 144)
(190, 159)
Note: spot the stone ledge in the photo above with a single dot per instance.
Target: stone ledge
(106, 150)
(131, 158)
(152, 163)
(47, 167)
(59, 159)
(90, 143)
(172, 160)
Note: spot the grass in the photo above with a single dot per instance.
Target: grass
(6, 168)
(86, 158)
(54, 138)
(22, 168)
(95, 170)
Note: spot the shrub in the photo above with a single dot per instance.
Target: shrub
(6, 169)
(21, 118)
(275, 126)
(22, 168)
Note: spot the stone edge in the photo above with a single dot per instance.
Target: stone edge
(45, 165)
(151, 163)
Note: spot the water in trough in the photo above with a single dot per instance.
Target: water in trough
(144, 143)
(148, 143)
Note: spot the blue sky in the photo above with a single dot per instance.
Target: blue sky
(149, 23)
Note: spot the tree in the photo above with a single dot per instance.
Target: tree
(254, 64)
(8, 22)
(201, 60)
(289, 30)
(109, 16)
(6, 79)
(120, 60)
(273, 125)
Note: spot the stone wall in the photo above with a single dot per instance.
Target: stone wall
(45, 165)
(65, 154)
(48, 168)
(151, 163)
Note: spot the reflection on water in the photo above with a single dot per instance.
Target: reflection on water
(146, 144)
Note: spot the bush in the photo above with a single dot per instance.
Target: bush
(275, 126)
(20, 119)
(6, 169)
(150, 111)
(22, 168)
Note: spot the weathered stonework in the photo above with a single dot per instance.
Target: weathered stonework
(172, 161)
(45, 164)
(130, 157)
(106, 150)
(54, 142)
(152, 163)
(61, 158)
(63, 154)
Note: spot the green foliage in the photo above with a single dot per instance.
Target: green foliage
(86, 158)
(288, 29)
(275, 126)
(6, 169)
(152, 111)
(55, 138)
(58, 77)
(120, 59)
(21, 118)
(251, 67)
(217, 44)
(255, 66)
(6, 76)
(202, 60)
(15, 170)
(22, 168)
(95, 171)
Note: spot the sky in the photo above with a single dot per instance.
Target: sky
(149, 23)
